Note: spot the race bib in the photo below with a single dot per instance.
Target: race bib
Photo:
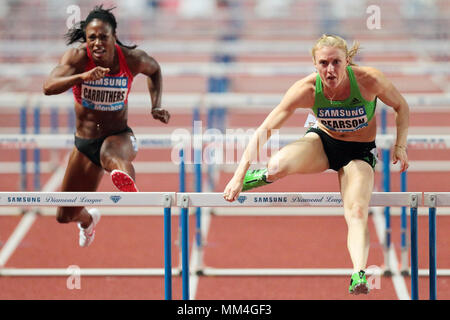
(343, 119)
(106, 94)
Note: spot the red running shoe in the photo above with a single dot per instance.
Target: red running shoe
(123, 181)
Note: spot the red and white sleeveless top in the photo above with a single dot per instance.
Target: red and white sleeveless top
(109, 93)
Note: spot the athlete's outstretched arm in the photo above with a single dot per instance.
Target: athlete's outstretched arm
(389, 94)
(66, 74)
(300, 95)
(150, 67)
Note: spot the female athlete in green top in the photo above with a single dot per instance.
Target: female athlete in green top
(343, 97)
(347, 115)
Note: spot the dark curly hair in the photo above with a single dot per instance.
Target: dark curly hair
(78, 31)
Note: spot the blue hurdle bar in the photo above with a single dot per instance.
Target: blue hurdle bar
(198, 179)
(54, 120)
(37, 151)
(182, 188)
(184, 227)
(432, 247)
(414, 256)
(386, 156)
(167, 250)
(185, 247)
(71, 121)
(404, 227)
(23, 152)
(387, 210)
(182, 173)
(198, 210)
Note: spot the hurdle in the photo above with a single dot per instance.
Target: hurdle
(328, 199)
(123, 199)
(66, 142)
(187, 200)
(384, 142)
(433, 200)
(420, 141)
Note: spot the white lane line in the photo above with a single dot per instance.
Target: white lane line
(28, 219)
(16, 237)
(397, 279)
(196, 261)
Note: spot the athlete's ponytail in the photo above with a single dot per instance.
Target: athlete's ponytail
(337, 42)
(78, 32)
(352, 52)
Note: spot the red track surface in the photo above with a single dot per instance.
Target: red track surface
(233, 242)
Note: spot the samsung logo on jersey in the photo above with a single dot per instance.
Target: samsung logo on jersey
(24, 199)
(269, 199)
(342, 112)
(112, 82)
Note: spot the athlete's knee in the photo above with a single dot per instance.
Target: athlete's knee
(119, 147)
(357, 212)
(67, 214)
(276, 169)
(111, 161)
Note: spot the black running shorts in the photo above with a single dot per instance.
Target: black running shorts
(91, 147)
(340, 152)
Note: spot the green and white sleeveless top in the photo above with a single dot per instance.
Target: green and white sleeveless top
(351, 114)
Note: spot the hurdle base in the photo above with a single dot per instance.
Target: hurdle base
(200, 272)
(387, 273)
(405, 273)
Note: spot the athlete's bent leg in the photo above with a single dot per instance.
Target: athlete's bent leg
(116, 156)
(303, 156)
(81, 175)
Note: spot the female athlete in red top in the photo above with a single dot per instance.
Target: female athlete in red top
(100, 72)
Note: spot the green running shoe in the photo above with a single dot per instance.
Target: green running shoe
(358, 283)
(254, 179)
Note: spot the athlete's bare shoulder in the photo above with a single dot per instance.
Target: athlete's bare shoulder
(72, 62)
(130, 53)
(368, 78)
(366, 74)
(75, 57)
(301, 93)
(310, 80)
(138, 60)
(306, 85)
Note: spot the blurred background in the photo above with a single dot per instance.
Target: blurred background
(226, 63)
(411, 34)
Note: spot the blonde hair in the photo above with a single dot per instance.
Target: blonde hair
(327, 40)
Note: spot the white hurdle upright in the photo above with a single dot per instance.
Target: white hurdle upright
(73, 199)
(327, 199)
